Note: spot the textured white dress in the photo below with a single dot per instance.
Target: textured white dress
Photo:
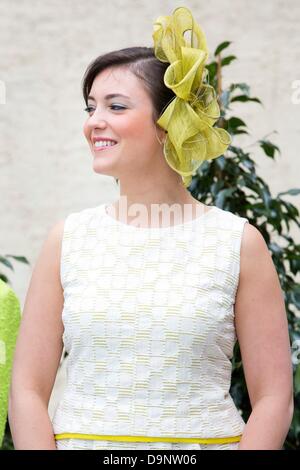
(149, 328)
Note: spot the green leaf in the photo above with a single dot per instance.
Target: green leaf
(212, 70)
(222, 196)
(268, 147)
(297, 379)
(6, 262)
(21, 259)
(225, 98)
(249, 164)
(221, 162)
(241, 131)
(275, 248)
(221, 47)
(3, 277)
(295, 265)
(242, 86)
(266, 196)
(295, 298)
(245, 98)
(295, 425)
(227, 60)
(236, 122)
(292, 192)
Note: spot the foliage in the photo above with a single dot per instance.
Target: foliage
(232, 183)
(6, 262)
(7, 443)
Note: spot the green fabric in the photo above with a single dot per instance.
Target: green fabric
(10, 316)
(190, 116)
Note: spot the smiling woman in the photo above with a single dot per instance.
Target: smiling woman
(121, 126)
(150, 315)
(126, 121)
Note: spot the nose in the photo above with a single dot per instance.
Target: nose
(95, 122)
(97, 119)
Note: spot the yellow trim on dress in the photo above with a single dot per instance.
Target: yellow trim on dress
(194, 440)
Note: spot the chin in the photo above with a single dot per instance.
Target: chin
(104, 169)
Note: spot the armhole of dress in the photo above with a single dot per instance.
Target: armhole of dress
(71, 222)
(242, 223)
(64, 250)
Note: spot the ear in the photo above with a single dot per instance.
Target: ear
(161, 133)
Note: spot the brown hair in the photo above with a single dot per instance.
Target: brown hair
(141, 61)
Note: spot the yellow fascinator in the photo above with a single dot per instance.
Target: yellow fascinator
(190, 116)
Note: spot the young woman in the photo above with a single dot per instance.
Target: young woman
(149, 306)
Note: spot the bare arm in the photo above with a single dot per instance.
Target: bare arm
(38, 351)
(262, 332)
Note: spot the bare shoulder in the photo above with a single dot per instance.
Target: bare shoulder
(51, 247)
(259, 291)
(39, 344)
(55, 233)
(252, 240)
(45, 279)
(261, 322)
(254, 252)
(58, 227)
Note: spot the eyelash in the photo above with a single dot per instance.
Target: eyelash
(88, 109)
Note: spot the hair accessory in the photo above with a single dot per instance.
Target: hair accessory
(190, 116)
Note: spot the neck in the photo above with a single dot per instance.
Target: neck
(153, 202)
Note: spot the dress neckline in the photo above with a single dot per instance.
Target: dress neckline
(181, 226)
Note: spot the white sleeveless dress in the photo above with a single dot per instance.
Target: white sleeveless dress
(149, 328)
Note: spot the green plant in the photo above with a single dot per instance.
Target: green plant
(7, 443)
(231, 183)
(5, 261)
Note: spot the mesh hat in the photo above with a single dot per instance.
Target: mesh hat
(190, 116)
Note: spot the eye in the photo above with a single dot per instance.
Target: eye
(118, 106)
(115, 107)
(88, 109)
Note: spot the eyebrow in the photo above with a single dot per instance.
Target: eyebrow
(109, 96)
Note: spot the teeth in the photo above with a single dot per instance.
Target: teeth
(104, 143)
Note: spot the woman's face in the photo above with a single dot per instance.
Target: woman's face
(125, 119)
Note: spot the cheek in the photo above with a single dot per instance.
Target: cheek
(129, 130)
(85, 130)
(137, 127)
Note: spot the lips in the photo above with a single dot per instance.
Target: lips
(97, 139)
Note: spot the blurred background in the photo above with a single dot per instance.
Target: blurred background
(45, 47)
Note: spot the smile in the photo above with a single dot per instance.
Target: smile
(98, 148)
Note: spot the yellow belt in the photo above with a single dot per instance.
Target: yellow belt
(194, 440)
